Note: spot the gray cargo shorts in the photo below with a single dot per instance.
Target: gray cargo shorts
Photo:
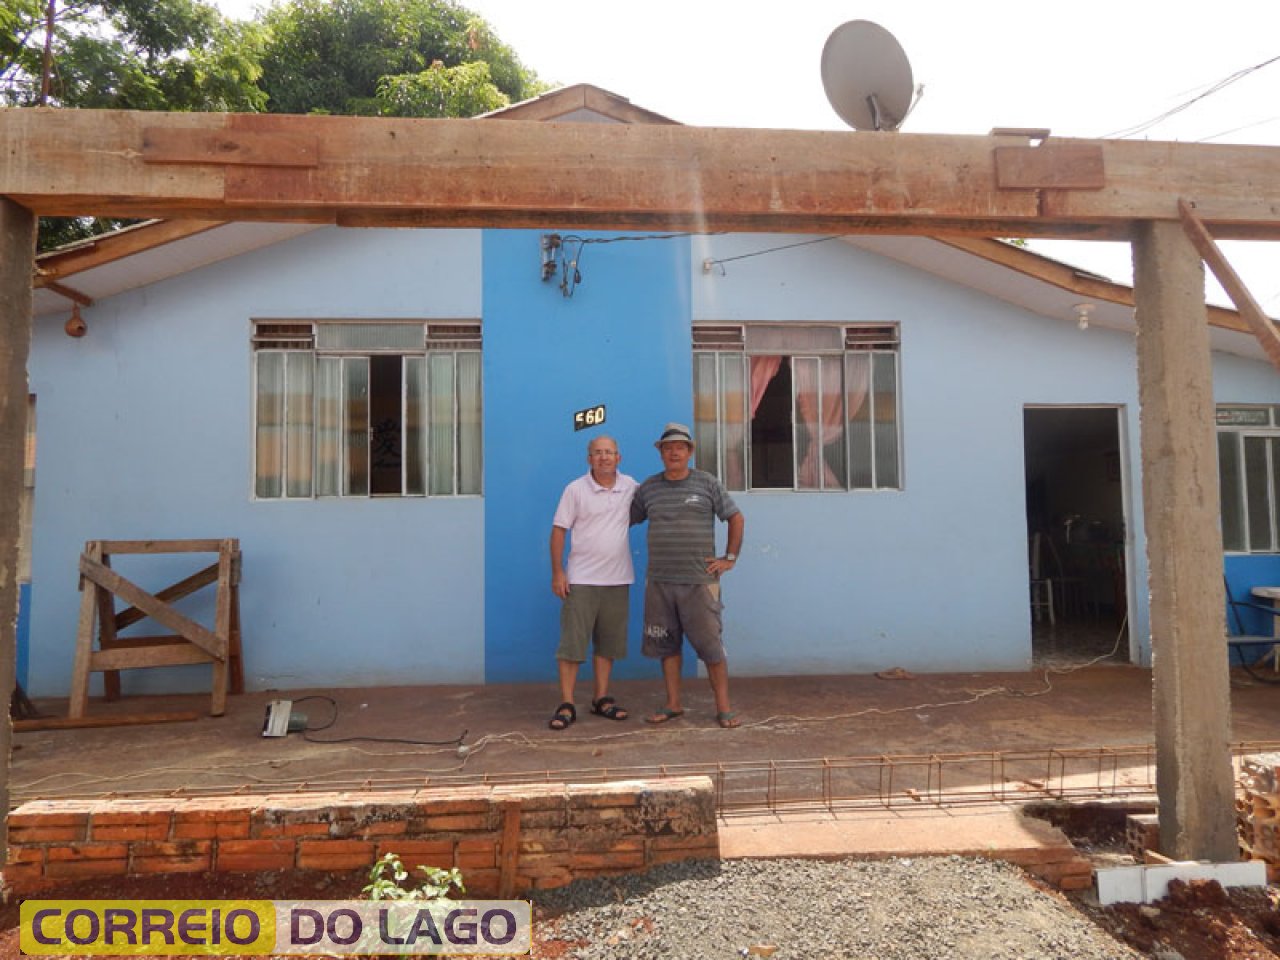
(676, 610)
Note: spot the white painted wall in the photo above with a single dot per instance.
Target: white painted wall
(145, 432)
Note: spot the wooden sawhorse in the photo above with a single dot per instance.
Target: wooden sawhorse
(189, 643)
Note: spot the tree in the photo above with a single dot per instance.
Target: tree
(129, 55)
(387, 58)
(407, 58)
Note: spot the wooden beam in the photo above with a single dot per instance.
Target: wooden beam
(162, 145)
(1066, 277)
(75, 296)
(1259, 323)
(17, 259)
(52, 266)
(629, 176)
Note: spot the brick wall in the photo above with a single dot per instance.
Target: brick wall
(505, 839)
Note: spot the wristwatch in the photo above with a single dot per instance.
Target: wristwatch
(731, 557)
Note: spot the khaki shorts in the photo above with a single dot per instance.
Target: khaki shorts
(598, 613)
(676, 610)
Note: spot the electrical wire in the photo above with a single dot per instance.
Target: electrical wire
(708, 264)
(306, 731)
(1213, 88)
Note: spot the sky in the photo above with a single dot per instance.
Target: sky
(1082, 69)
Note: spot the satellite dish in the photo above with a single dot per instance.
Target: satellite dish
(867, 76)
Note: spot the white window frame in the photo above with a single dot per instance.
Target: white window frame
(449, 338)
(721, 341)
(1243, 422)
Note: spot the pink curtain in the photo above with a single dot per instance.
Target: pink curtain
(763, 370)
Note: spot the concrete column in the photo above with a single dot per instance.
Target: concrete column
(17, 264)
(1184, 548)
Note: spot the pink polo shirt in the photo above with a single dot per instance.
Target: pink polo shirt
(598, 519)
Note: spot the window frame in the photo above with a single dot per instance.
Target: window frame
(452, 338)
(720, 342)
(1243, 422)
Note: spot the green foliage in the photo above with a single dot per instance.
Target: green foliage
(389, 880)
(356, 57)
(462, 91)
(421, 58)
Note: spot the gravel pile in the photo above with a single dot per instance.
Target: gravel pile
(919, 908)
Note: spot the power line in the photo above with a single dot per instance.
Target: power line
(1214, 88)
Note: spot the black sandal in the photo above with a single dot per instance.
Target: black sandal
(565, 714)
(608, 708)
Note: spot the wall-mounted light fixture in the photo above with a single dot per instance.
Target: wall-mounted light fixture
(1083, 312)
(75, 325)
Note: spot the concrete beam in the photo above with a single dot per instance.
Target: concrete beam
(1184, 548)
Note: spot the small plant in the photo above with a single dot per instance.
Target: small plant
(387, 881)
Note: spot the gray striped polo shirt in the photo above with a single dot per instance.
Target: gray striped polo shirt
(681, 515)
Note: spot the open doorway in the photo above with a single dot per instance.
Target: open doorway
(1075, 534)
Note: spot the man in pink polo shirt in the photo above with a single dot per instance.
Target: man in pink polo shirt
(595, 589)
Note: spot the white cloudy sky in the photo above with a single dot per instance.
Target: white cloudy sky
(1084, 69)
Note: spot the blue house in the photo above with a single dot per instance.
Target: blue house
(916, 430)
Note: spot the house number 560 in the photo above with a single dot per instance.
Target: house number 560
(590, 417)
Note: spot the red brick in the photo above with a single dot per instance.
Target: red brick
(211, 829)
(557, 819)
(74, 869)
(427, 852)
(461, 822)
(154, 831)
(606, 861)
(26, 854)
(544, 864)
(90, 851)
(436, 801)
(19, 835)
(383, 828)
(137, 818)
(50, 819)
(212, 814)
(596, 795)
(255, 855)
(557, 844)
(283, 830)
(334, 854)
(475, 859)
(173, 848)
(686, 842)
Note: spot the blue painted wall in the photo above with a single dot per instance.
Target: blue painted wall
(146, 432)
(621, 340)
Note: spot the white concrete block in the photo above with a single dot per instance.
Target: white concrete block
(1144, 884)
(1247, 873)
(1157, 876)
(1120, 885)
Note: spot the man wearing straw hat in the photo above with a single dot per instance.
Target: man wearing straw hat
(682, 586)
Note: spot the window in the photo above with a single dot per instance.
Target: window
(365, 408)
(797, 406)
(1249, 471)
